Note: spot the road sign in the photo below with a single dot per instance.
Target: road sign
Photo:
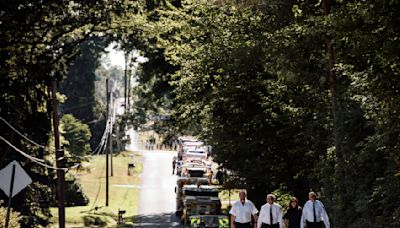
(21, 179)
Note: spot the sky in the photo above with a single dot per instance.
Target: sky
(115, 57)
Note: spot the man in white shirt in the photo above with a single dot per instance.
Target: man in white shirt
(242, 211)
(270, 214)
(314, 213)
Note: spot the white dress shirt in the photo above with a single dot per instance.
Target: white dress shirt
(243, 212)
(308, 213)
(265, 217)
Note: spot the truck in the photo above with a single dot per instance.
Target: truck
(197, 154)
(199, 200)
(194, 170)
(180, 183)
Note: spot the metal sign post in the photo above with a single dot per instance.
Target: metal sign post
(10, 195)
(13, 179)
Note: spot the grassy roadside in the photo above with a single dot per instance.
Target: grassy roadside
(123, 193)
(228, 196)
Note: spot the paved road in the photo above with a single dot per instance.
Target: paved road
(157, 195)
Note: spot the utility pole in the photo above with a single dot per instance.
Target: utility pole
(129, 88)
(126, 80)
(59, 160)
(111, 130)
(108, 119)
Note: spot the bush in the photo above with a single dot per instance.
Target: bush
(14, 217)
(74, 195)
(91, 220)
(77, 134)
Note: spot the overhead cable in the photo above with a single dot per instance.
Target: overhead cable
(36, 160)
(103, 138)
(22, 135)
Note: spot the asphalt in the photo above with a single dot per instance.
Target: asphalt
(157, 199)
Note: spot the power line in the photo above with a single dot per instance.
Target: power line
(22, 135)
(99, 188)
(105, 137)
(109, 123)
(103, 147)
(106, 130)
(101, 144)
(35, 159)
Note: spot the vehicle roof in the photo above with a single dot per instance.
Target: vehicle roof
(193, 187)
(187, 138)
(192, 143)
(196, 151)
(196, 168)
(202, 199)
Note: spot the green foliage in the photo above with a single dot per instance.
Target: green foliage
(14, 217)
(35, 49)
(81, 96)
(73, 194)
(76, 134)
(251, 79)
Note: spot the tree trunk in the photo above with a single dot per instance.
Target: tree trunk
(337, 127)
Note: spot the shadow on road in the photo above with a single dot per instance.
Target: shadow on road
(157, 220)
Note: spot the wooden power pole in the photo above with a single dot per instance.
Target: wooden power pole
(126, 81)
(111, 131)
(107, 151)
(59, 160)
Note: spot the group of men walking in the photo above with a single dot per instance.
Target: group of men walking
(245, 215)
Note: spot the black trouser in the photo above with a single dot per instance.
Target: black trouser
(264, 225)
(243, 225)
(315, 224)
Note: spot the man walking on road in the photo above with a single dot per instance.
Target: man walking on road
(314, 213)
(270, 214)
(242, 212)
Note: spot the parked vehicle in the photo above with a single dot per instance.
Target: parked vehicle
(198, 154)
(200, 200)
(180, 183)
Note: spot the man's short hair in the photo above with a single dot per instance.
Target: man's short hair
(312, 194)
(272, 196)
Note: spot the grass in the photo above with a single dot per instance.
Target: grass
(228, 196)
(123, 192)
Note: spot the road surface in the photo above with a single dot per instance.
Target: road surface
(157, 193)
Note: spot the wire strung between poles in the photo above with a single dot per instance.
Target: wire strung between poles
(36, 160)
(22, 135)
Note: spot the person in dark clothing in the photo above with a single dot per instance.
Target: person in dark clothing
(292, 216)
(173, 164)
(220, 177)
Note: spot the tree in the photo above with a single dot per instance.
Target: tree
(76, 134)
(35, 50)
(252, 79)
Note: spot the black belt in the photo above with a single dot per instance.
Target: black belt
(269, 226)
(246, 223)
(243, 225)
